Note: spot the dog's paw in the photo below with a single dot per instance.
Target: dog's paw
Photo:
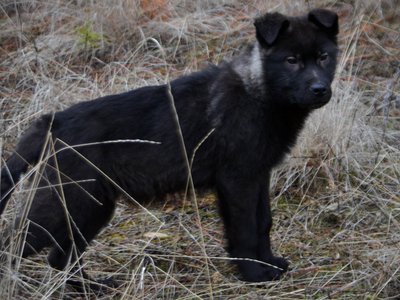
(279, 262)
(258, 272)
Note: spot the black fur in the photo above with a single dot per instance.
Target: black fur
(256, 104)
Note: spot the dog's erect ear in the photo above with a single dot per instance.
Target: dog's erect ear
(269, 27)
(325, 19)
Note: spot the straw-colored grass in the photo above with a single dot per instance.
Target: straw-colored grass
(336, 199)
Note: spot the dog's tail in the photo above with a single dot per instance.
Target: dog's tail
(27, 153)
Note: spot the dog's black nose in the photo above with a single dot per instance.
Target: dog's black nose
(319, 89)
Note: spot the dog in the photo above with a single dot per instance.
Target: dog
(236, 121)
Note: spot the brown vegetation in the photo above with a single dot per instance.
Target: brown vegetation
(336, 198)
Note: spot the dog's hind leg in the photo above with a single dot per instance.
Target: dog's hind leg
(69, 251)
(88, 216)
(43, 224)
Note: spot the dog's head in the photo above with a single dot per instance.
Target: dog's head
(298, 56)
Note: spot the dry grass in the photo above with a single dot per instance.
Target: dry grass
(337, 197)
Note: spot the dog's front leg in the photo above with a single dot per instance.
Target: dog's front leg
(264, 219)
(246, 214)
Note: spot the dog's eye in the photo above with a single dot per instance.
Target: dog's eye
(292, 60)
(323, 56)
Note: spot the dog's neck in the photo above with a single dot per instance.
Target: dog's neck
(249, 67)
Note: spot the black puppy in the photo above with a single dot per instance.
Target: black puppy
(255, 104)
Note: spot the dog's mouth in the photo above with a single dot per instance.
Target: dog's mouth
(316, 105)
(311, 102)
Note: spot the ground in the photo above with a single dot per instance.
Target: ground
(336, 198)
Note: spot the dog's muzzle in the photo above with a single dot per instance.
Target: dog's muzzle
(319, 94)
